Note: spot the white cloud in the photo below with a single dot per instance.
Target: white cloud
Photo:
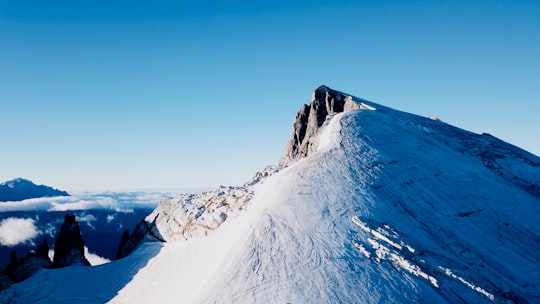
(115, 201)
(86, 218)
(85, 204)
(49, 230)
(110, 218)
(14, 231)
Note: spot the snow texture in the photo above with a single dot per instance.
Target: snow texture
(390, 208)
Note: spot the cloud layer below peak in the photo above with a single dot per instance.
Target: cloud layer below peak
(115, 201)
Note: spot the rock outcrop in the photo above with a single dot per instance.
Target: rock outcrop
(68, 250)
(309, 120)
(19, 270)
(143, 232)
(20, 189)
(190, 216)
(69, 245)
(187, 216)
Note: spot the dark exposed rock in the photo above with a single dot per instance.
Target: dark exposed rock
(13, 264)
(69, 245)
(311, 118)
(29, 265)
(68, 250)
(19, 270)
(42, 250)
(123, 242)
(143, 232)
(5, 281)
(20, 189)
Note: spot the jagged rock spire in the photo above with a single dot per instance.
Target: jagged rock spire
(69, 246)
(310, 118)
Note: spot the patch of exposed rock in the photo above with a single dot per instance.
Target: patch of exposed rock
(260, 177)
(143, 232)
(68, 250)
(192, 215)
(186, 216)
(69, 245)
(325, 102)
(19, 270)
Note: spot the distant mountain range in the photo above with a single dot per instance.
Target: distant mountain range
(20, 189)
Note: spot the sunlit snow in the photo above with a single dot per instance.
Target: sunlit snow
(392, 207)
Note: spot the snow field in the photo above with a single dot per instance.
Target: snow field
(392, 208)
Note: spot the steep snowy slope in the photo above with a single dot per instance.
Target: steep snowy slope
(402, 209)
(385, 207)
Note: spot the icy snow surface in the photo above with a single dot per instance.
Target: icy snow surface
(392, 208)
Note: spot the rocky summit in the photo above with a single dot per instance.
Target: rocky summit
(370, 205)
(325, 103)
(69, 246)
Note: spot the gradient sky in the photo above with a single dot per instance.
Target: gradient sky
(113, 95)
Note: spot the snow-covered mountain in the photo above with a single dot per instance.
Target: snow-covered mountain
(20, 189)
(371, 205)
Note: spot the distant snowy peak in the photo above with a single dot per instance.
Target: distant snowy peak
(20, 189)
(14, 182)
(325, 102)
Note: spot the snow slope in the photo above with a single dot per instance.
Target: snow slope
(402, 210)
(391, 207)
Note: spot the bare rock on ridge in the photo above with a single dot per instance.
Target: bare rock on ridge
(309, 120)
(19, 270)
(69, 245)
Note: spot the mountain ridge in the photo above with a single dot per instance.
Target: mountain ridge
(325, 102)
(385, 206)
(19, 189)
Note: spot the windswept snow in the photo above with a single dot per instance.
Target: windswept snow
(392, 208)
(429, 201)
(329, 136)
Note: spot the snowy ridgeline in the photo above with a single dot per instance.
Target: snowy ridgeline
(384, 207)
(195, 215)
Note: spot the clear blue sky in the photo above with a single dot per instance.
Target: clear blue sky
(127, 94)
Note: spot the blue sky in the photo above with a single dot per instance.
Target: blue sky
(128, 95)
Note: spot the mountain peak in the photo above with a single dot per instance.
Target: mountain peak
(323, 88)
(19, 189)
(390, 207)
(325, 103)
(15, 181)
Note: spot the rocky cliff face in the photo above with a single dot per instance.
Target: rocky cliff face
(190, 216)
(68, 250)
(309, 120)
(18, 270)
(69, 246)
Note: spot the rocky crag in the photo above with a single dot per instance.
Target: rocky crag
(325, 103)
(69, 245)
(68, 250)
(20, 269)
(190, 216)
